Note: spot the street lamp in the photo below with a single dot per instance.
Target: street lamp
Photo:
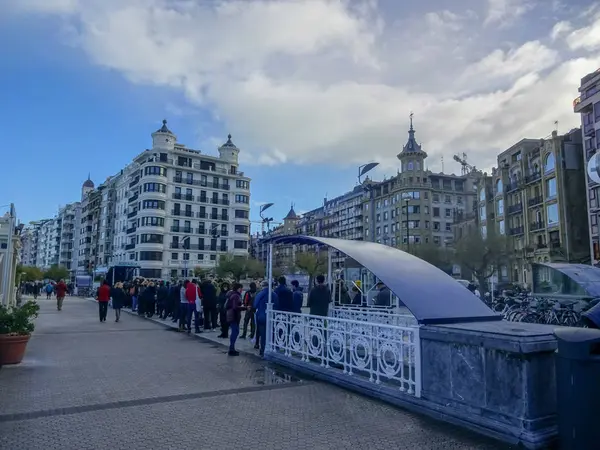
(362, 170)
(407, 197)
(265, 220)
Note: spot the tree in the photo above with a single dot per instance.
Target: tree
(312, 264)
(238, 266)
(435, 255)
(56, 272)
(482, 256)
(29, 273)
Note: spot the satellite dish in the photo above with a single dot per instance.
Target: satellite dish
(593, 168)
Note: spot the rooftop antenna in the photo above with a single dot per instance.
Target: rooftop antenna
(556, 125)
(442, 164)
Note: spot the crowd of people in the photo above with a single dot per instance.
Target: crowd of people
(213, 305)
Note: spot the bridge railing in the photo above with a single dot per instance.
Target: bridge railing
(376, 352)
(397, 316)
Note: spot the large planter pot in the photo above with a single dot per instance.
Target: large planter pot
(12, 348)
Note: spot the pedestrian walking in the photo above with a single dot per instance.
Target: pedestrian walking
(103, 297)
(61, 291)
(234, 310)
(221, 302)
(49, 289)
(118, 299)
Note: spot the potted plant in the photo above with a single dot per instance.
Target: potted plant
(16, 326)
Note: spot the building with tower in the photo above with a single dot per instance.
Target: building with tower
(417, 206)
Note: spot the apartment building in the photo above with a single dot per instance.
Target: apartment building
(48, 248)
(28, 250)
(588, 106)
(416, 206)
(185, 208)
(67, 218)
(88, 228)
(539, 202)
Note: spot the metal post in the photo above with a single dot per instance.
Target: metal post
(270, 271)
(329, 271)
(113, 274)
(269, 334)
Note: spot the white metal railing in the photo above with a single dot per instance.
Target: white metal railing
(399, 317)
(377, 352)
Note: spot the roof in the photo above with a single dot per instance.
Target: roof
(291, 215)
(88, 183)
(229, 143)
(586, 277)
(430, 294)
(164, 128)
(411, 145)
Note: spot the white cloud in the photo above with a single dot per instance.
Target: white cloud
(504, 12)
(334, 81)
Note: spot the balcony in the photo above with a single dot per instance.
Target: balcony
(514, 209)
(130, 246)
(219, 217)
(516, 231)
(589, 129)
(188, 213)
(201, 231)
(220, 186)
(134, 182)
(535, 226)
(186, 197)
(202, 215)
(218, 201)
(179, 229)
(181, 246)
(202, 199)
(511, 186)
(133, 198)
(132, 214)
(535, 201)
(531, 178)
(131, 230)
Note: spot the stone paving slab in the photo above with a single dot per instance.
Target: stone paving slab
(133, 385)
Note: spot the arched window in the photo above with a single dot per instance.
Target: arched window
(417, 165)
(410, 165)
(550, 163)
(499, 187)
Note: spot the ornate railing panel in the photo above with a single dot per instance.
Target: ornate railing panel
(399, 317)
(376, 352)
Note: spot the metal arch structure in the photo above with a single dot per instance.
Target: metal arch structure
(585, 276)
(430, 294)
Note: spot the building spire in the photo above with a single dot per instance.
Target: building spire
(411, 123)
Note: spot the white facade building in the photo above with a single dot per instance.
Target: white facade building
(185, 208)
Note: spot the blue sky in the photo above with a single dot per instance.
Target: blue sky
(307, 101)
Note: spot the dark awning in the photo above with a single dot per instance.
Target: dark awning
(431, 295)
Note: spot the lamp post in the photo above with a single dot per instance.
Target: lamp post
(265, 220)
(362, 170)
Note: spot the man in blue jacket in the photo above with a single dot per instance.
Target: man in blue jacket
(285, 296)
(298, 297)
(260, 306)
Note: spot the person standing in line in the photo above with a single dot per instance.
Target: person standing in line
(162, 298)
(260, 306)
(174, 301)
(298, 296)
(134, 291)
(249, 315)
(209, 304)
(221, 303)
(319, 298)
(192, 293)
(103, 297)
(118, 299)
(234, 310)
(183, 305)
(61, 291)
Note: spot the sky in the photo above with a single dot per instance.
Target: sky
(309, 89)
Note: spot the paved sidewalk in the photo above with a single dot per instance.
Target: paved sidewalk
(86, 385)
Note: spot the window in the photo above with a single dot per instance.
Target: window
(435, 198)
(436, 212)
(499, 187)
(155, 170)
(549, 163)
(240, 244)
(412, 194)
(410, 165)
(153, 204)
(242, 199)
(552, 214)
(152, 222)
(501, 227)
(385, 215)
(241, 229)
(551, 187)
(242, 184)
(482, 212)
(151, 256)
(241, 214)
(155, 187)
(448, 212)
(482, 194)
(448, 226)
(500, 207)
(484, 231)
(151, 239)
